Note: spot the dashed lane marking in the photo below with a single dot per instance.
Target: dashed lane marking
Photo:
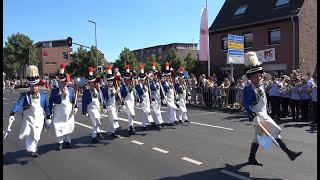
(160, 150)
(208, 125)
(122, 119)
(137, 142)
(235, 175)
(191, 160)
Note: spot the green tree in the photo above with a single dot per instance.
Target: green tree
(82, 60)
(189, 62)
(126, 57)
(147, 67)
(18, 53)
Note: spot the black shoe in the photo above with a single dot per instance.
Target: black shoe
(131, 130)
(119, 128)
(33, 154)
(171, 124)
(180, 121)
(154, 125)
(114, 135)
(163, 124)
(187, 121)
(253, 161)
(292, 155)
(68, 144)
(100, 136)
(60, 146)
(95, 140)
(176, 122)
(145, 128)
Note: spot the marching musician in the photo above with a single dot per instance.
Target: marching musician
(61, 102)
(127, 93)
(156, 91)
(34, 104)
(144, 100)
(169, 91)
(181, 89)
(255, 101)
(112, 97)
(92, 100)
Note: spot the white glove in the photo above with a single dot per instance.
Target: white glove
(104, 111)
(256, 120)
(138, 104)
(48, 122)
(11, 119)
(75, 110)
(121, 108)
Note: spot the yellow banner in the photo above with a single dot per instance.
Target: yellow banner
(235, 45)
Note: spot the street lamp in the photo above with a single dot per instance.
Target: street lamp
(95, 35)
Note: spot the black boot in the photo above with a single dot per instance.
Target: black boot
(60, 146)
(154, 125)
(292, 155)
(252, 157)
(131, 130)
(95, 140)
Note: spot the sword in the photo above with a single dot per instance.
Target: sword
(268, 134)
(6, 132)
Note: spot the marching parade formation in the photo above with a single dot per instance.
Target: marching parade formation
(124, 91)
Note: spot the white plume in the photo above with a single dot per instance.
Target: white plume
(251, 59)
(32, 71)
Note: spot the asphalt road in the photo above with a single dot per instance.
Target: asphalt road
(215, 145)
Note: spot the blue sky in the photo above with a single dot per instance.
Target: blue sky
(133, 24)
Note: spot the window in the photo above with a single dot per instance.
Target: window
(274, 36)
(147, 51)
(241, 10)
(248, 40)
(224, 43)
(47, 45)
(50, 63)
(159, 50)
(153, 50)
(282, 2)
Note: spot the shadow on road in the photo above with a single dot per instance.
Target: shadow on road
(216, 174)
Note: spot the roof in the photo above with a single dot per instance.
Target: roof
(51, 41)
(171, 44)
(257, 11)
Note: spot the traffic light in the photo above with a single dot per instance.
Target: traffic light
(69, 41)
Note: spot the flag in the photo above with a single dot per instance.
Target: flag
(204, 36)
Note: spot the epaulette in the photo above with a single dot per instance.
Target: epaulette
(247, 85)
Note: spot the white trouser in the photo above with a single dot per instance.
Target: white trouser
(31, 144)
(95, 130)
(65, 138)
(130, 118)
(116, 124)
(158, 118)
(146, 118)
(171, 115)
(182, 115)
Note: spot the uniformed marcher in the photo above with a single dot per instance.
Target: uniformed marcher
(127, 93)
(61, 103)
(155, 88)
(92, 100)
(255, 101)
(181, 90)
(144, 100)
(111, 99)
(169, 90)
(34, 104)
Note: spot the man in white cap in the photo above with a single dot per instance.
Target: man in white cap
(34, 103)
(63, 106)
(155, 88)
(169, 90)
(181, 89)
(112, 101)
(92, 100)
(254, 99)
(144, 100)
(127, 93)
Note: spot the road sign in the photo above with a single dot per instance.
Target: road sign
(235, 59)
(235, 52)
(235, 38)
(235, 45)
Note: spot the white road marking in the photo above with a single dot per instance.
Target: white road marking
(191, 160)
(160, 150)
(212, 126)
(84, 125)
(235, 175)
(151, 109)
(122, 119)
(137, 142)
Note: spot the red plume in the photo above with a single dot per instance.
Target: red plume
(182, 69)
(108, 67)
(141, 66)
(90, 69)
(62, 65)
(127, 66)
(153, 64)
(166, 64)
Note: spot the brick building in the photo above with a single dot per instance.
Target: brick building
(161, 51)
(50, 54)
(284, 29)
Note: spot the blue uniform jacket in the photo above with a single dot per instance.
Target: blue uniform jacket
(139, 90)
(56, 98)
(250, 98)
(177, 88)
(86, 99)
(23, 102)
(105, 96)
(165, 87)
